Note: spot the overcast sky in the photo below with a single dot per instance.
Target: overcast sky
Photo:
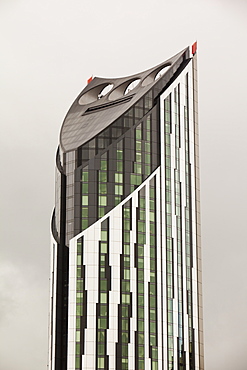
(49, 48)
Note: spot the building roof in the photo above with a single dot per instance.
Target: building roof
(104, 100)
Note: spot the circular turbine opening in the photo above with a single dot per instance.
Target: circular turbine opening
(105, 91)
(131, 86)
(161, 73)
(95, 93)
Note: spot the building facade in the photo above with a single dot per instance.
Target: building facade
(126, 254)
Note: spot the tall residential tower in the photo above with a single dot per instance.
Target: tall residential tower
(126, 254)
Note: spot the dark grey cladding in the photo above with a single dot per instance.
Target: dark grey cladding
(91, 113)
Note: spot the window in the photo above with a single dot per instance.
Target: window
(103, 297)
(85, 200)
(103, 285)
(101, 323)
(104, 235)
(101, 349)
(101, 362)
(103, 310)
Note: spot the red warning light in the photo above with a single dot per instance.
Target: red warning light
(89, 80)
(194, 48)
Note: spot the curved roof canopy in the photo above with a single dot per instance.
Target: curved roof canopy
(104, 100)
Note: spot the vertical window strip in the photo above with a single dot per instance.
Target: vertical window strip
(69, 165)
(119, 175)
(81, 306)
(102, 315)
(188, 221)
(168, 118)
(143, 156)
(178, 194)
(179, 114)
(136, 176)
(169, 240)
(102, 185)
(139, 264)
(125, 307)
(177, 126)
(148, 101)
(85, 198)
(139, 109)
(153, 323)
(147, 146)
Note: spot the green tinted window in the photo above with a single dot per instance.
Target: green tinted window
(85, 188)
(101, 362)
(103, 176)
(126, 274)
(103, 164)
(101, 323)
(101, 336)
(103, 285)
(84, 200)
(103, 310)
(119, 166)
(103, 297)
(118, 177)
(85, 176)
(101, 349)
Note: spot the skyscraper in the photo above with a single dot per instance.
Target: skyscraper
(126, 254)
